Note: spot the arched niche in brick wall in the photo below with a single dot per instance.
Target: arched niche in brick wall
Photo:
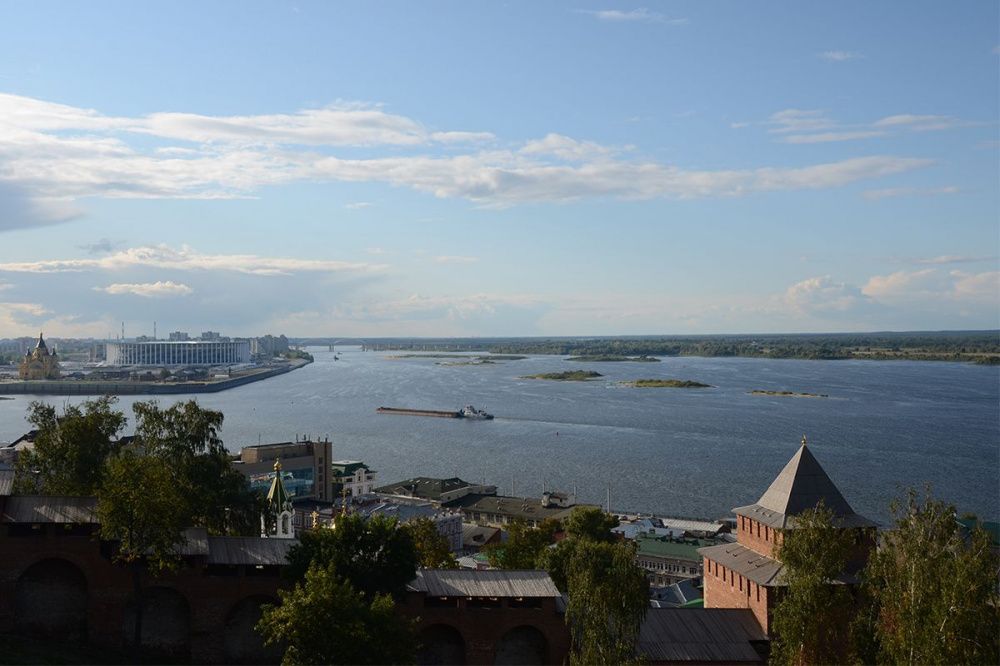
(166, 623)
(522, 645)
(50, 601)
(243, 645)
(441, 644)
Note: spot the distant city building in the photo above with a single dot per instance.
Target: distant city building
(502, 510)
(268, 346)
(192, 352)
(668, 560)
(305, 468)
(40, 363)
(352, 478)
(439, 491)
(178, 336)
(211, 336)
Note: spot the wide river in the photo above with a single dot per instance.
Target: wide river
(688, 452)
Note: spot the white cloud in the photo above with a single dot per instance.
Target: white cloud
(641, 14)
(32, 309)
(823, 294)
(357, 205)
(840, 56)
(187, 259)
(955, 259)
(932, 287)
(565, 148)
(59, 150)
(160, 289)
(875, 195)
(828, 137)
(798, 120)
(454, 259)
(917, 123)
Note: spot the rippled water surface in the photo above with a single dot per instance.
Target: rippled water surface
(696, 452)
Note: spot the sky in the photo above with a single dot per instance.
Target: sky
(498, 168)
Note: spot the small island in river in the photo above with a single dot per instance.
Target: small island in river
(569, 376)
(614, 358)
(665, 383)
(788, 394)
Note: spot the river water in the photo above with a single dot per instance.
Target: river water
(689, 452)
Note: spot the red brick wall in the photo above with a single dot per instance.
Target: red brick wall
(482, 628)
(747, 535)
(109, 588)
(730, 590)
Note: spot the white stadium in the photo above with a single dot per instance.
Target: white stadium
(185, 353)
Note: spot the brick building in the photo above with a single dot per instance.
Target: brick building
(488, 617)
(746, 574)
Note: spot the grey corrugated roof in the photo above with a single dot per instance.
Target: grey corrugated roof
(758, 568)
(249, 550)
(801, 485)
(524, 508)
(485, 583)
(477, 535)
(49, 509)
(6, 482)
(716, 635)
(195, 542)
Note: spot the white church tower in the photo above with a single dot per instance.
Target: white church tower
(277, 523)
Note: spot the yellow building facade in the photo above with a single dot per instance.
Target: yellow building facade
(40, 363)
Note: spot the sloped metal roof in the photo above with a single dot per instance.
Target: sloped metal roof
(485, 583)
(801, 485)
(49, 509)
(6, 482)
(714, 635)
(249, 550)
(758, 568)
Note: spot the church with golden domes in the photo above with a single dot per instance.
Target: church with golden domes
(40, 363)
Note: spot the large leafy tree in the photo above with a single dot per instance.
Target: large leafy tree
(432, 548)
(589, 522)
(812, 618)
(216, 495)
(524, 545)
(70, 448)
(324, 620)
(608, 600)
(375, 556)
(933, 589)
(140, 507)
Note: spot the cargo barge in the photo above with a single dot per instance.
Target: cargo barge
(469, 412)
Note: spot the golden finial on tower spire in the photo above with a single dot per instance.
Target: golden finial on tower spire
(277, 465)
(803, 440)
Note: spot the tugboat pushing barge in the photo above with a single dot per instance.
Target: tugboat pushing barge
(467, 412)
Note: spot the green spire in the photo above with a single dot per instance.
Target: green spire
(277, 496)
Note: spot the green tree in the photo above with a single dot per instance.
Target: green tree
(216, 494)
(375, 556)
(608, 599)
(140, 508)
(933, 591)
(432, 548)
(524, 545)
(812, 617)
(590, 522)
(323, 620)
(70, 448)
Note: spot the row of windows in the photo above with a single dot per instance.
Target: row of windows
(663, 566)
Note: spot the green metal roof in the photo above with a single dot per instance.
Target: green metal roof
(683, 549)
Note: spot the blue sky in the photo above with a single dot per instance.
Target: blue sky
(519, 168)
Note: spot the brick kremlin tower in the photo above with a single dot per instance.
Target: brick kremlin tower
(746, 574)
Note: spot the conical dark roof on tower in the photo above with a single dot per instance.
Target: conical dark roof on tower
(801, 485)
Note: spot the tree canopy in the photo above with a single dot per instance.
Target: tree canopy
(524, 545)
(70, 448)
(811, 622)
(375, 556)
(324, 620)
(432, 548)
(933, 589)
